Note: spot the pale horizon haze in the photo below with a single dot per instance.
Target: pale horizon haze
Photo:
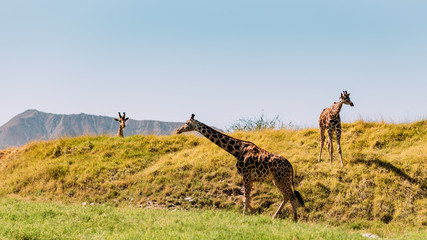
(221, 60)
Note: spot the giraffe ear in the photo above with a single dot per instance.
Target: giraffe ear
(126, 119)
(116, 119)
(192, 116)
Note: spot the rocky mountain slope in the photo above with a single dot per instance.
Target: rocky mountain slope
(35, 125)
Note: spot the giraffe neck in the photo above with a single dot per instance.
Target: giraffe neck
(120, 132)
(336, 108)
(229, 144)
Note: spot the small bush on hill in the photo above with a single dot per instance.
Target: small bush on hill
(256, 124)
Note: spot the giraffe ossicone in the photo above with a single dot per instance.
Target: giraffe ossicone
(254, 164)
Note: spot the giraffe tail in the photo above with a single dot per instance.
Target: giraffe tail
(300, 200)
(297, 194)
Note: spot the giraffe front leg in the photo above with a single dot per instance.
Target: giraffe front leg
(247, 200)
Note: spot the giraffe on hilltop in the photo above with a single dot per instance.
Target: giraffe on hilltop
(330, 119)
(122, 120)
(254, 164)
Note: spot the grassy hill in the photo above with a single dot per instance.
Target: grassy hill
(383, 180)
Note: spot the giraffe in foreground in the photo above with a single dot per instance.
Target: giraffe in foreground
(330, 119)
(122, 120)
(254, 164)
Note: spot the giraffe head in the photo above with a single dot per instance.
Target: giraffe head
(122, 120)
(345, 98)
(190, 125)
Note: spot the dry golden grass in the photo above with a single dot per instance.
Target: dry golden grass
(383, 180)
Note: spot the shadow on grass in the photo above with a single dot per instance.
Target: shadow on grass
(391, 168)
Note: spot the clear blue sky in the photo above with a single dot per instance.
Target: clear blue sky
(221, 60)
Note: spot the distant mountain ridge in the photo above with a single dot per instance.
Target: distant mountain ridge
(35, 125)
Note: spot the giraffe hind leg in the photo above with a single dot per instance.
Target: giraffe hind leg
(330, 146)
(279, 209)
(247, 200)
(339, 147)
(294, 204)
(288, 194)
(322, 141)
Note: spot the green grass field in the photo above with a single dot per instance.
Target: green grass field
(381, 189)
(33, 220)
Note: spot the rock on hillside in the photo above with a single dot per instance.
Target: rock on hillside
(35, 125)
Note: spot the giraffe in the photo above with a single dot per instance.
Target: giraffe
(254, 164)
(330, 119)
(122, 120)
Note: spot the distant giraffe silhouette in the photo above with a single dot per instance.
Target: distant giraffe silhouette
(254, 164)
(122, 120)
(330, 119)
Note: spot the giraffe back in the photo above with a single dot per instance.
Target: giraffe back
(262, 166)
(330, 117)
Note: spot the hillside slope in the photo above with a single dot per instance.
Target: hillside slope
(35, 125)
(383, 180)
